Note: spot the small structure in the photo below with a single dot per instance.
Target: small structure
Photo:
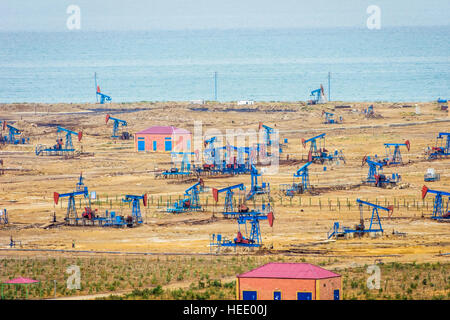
(288, 281)
(163, 139)
(3, 216)
(13, 243)
(329, 118)
(199, 101)
(431, 175)
(24, 282)
(245, 102)
(369, 112)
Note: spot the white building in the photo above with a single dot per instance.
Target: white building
(245, 102)
(197, 101)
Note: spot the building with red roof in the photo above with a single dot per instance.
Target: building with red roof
(288, 281)
(163, 139)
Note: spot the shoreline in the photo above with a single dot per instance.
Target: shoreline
(222, 102)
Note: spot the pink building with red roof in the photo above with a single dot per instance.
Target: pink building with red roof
(288, 281)
(163, 139)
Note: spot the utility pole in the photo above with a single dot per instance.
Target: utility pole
(215, 85)
(95, 78)
(329, 86)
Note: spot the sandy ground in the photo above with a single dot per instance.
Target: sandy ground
(113, 169)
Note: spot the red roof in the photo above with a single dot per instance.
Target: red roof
(289, 271)
(164, 130)
(20, 281)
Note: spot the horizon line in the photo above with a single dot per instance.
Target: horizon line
(359, 27)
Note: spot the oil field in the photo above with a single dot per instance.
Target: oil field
(354, 184)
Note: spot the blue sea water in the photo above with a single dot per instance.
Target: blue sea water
(391, 64)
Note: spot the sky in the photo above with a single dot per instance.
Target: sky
(120, 15)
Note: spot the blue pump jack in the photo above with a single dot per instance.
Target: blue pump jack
(329, 118)
(116, 124)
(375, 175)
(317, 96)
(136, 216)
(185, 165)
(103, 97)
(210, 153)
(256, 189)
(191, 201)
(71, 214)
(228, 209)
(318, 153)
(440, 209)
(267, 132)
(253, 239)
(442, 148)
(298, 188)
(375, 222)
(12, 133)
(58, 149)
(395, 157)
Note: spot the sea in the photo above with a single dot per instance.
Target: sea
(353, 64)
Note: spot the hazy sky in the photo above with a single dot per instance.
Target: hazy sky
(50, 15)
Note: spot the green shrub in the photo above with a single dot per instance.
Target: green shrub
(157, 291)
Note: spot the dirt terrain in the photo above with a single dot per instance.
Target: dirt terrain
(114, 168)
